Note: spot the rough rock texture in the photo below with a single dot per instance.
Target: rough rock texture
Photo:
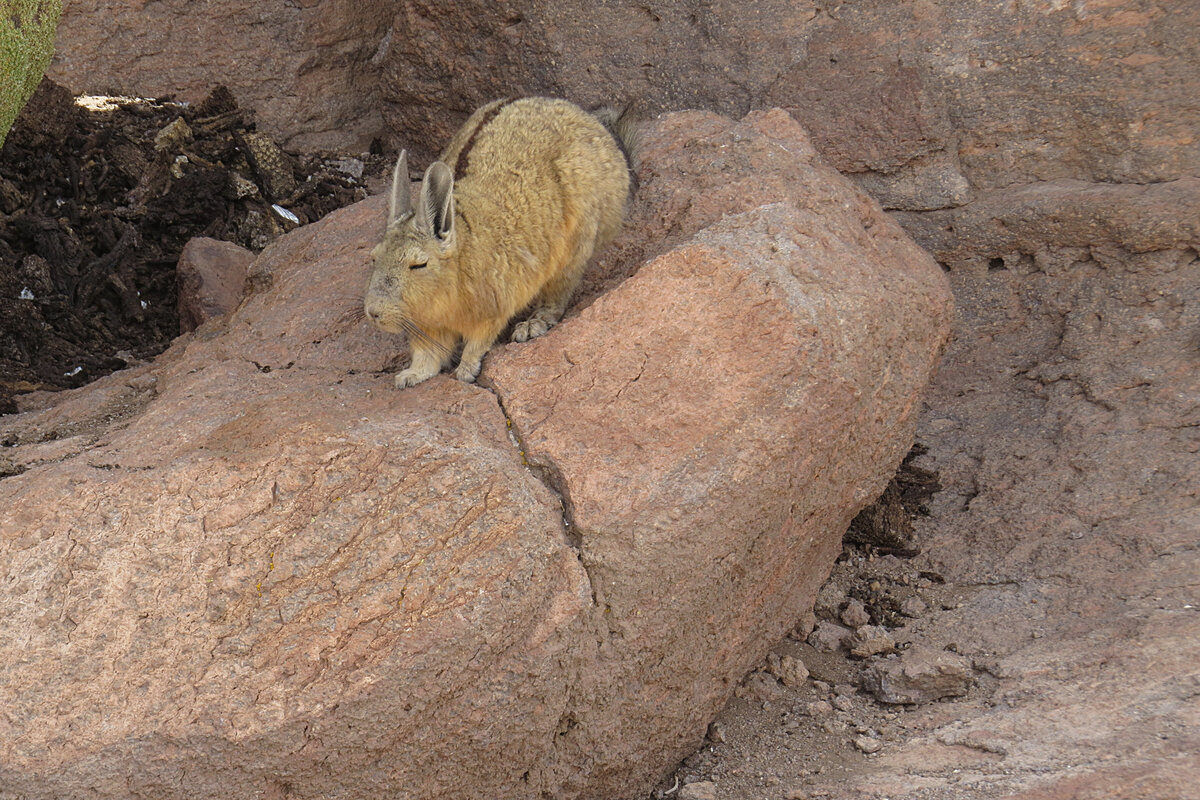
(919, 675)
(1063, 425)
(700, 790)
(829, 636)
(1008, 93)
(309, 69)
(855, 615)
(255, 571)
(927, 101)
(447, 59)
(871, 640)
(210, 277)
(732, 170)
(252, 567)
(1039, 220)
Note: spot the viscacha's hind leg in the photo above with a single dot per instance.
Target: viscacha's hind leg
(552, 300)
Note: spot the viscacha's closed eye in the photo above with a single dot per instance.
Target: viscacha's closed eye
(422, 265)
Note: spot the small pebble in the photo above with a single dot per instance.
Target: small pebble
(871, 640)
(855, 615)
(829, 637)
(913, 607)
(829, 599)
(700, 790)
(790, 671)
(867, 744)
(349, 166)
(818, 708)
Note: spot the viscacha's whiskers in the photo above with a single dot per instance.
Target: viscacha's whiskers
(414, 332)
(354, 315)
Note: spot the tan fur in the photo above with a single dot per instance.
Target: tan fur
(538, 187)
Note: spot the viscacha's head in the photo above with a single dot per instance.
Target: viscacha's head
(413, 271)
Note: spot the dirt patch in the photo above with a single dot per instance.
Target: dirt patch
(98, 197)
(789, 739)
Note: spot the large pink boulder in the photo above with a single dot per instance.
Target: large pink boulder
(253, 568)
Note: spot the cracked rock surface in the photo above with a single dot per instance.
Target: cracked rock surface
(253, 568)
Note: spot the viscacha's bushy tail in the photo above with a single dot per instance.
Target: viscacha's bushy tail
(621, 124)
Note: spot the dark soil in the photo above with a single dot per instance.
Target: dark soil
(886, 525)
(98, 199)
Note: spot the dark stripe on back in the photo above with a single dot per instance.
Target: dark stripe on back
(462, 163)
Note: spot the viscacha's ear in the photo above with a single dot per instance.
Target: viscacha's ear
(401, 201)
(435, 210)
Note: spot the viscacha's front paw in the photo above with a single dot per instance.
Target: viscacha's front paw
(411, 377)
(467, 373)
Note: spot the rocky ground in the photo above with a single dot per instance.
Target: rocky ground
(815, 715)
(848, 681)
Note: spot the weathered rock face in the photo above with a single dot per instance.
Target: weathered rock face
(749, 315)
(254, 567)
(926, 101)
(267, 569)
(985, 86)
(446, 59)
(1063, 424)
(306, 68)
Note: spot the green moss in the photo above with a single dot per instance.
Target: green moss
(27, 29)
